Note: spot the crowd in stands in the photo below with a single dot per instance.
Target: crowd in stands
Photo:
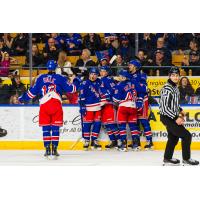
(76, 52)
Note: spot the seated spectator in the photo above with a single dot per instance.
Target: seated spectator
(159, 60)
(92, 41)
(3, 47)
(4, 93)
(160, 45)
(8, 41)
(186, 90)
(104, 62)
(64, 66)
(82, 64)
(38, 58)
(143, 60)
(20, 44)
(14, 99)
(194, 60)
(59, 41)
(51, 50)
(17, 87)
(125, 49)
(193, 46)
(6, 60)
(73, 44)
(119, 64)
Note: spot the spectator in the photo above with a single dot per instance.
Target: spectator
(14, 99)
(119, 64)
(186, 90)
(74, 44)
(82, 64)
(51, 50)
(4, 93)
(59, 41)
(193, 46)
(159, 60)
(20, 44)
(104, 61)
(92, 41)
(8, 41)
(197, 92)
(64, 66)
(17, 87)
(3, 47)
(161, 46)
(38, 58)
(143, 60)
(40, 37)
(125, 49)
(6, 60)
(145, 41)
(192, 61)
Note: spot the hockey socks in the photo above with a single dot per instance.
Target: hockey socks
(46, 135)
(55, 135)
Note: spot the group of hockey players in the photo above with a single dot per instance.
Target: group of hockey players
(100, 98)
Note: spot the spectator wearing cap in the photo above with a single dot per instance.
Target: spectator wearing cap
(92, 41)
(51, 50)
(159, 60)
(194, 60)
(160, 45)
(4, 93)
(82, 64)
(20, 44)
(125, 49)
(104, 61)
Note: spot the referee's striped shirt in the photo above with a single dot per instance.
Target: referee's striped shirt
(169, 101)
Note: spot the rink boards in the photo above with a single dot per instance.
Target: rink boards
(21, 123)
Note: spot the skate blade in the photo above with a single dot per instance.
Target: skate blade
(171, 164)
(188, 165)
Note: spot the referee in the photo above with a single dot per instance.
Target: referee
(172, 116)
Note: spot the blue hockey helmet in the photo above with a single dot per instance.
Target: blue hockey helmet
(51, 65)
(94, 70)
(105, 68)
(136, 63)
(124, 73)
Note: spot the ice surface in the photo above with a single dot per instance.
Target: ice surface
(87, 158)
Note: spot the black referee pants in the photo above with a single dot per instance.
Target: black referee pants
(175, 132)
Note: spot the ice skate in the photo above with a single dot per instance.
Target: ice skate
(171, 162)
(48, 152)
(95, 145)
(86, 145)
(136, 145)
(111, 145)
(190, 162)
(149, 146)
(123, 146)
(54, 153)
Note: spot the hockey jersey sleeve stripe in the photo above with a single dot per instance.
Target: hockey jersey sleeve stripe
(30, 94)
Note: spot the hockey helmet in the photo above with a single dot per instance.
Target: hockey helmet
(94, 70)
(51, 65)
(174, 70)
(124, 73)
(136, 63)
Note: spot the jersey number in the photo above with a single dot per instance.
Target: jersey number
(50, 88)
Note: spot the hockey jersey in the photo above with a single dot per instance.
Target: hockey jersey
(49, 86)
(126, 93)
(109, 85)
(92, 94)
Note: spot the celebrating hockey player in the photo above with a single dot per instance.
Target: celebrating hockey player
(136, 74)
(108, 113)
(91, 98)
(50, 87)
(126, 95)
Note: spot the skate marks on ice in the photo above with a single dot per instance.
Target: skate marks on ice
(88, 158)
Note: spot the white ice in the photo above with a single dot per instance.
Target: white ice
(88, 158)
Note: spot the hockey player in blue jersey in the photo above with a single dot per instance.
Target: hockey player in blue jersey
(50, 87)
(91, 98)
(141, 78)
(126, 96)
(108, 112)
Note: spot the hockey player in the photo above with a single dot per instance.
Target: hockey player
(108, 116)
(90, 107)
(138, 76)
(50, 87)
(126, 95)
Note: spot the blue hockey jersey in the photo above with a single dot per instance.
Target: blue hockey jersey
(49, 86)
(92, 94)
(126, 93)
